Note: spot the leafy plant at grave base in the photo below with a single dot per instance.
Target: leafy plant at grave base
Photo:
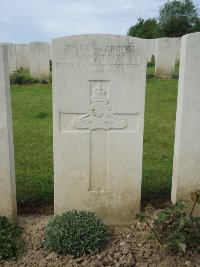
(76, 233)
(50, 77)
(175, 76)
(150, 76)
(172, 227)
(10, 243)
(19, 77)
(151, 64)
(43, 81)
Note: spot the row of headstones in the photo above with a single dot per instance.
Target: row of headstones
(162, 44)
(98, 116)
(34, 57)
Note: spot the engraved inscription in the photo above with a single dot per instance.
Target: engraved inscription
(100, 115)
(120, 49)
(194, 107)
(166, 44)
(195, 94)
(39, 49)
(116, 52)
(195, 45)
(100, 68)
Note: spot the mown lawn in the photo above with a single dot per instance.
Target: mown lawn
(32, 124)
(32, 127)
(159, 129)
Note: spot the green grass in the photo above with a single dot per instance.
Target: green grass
(32, 124)
(150, 70)
(32, 127)
(160, 114)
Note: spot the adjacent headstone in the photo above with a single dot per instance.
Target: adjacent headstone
(7, 168)
(178, 49)
(39, 53)
(150, 49)
(165, 57)
(186, 168)
(50, 52)
(98, 106)
(22, 55)
(12, 61)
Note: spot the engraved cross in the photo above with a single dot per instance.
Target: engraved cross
(99, 121)
(39, 66)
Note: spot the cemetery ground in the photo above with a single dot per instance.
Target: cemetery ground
(129, 245)
(32, 123)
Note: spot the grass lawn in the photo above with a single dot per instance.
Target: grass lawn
(32, 127)
(159, 129)
(32, 124)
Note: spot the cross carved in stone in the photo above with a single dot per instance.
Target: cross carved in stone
(40, 66)
(100, 122)
(23, 58)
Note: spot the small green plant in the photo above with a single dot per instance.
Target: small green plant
(76, 233)
(175, 76)
(10, 243)
(172, 227)
(20, 77)
(151, 64)
(43, 81)
(42, 115)
(150, 76)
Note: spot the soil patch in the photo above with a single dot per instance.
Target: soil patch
(128, 247)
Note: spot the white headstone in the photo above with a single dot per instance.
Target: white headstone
(165, 57)
(39, 53)
(186, 169)
(50, 52)
(98, 115)
(150, 49)
(22, 55)
(12, 61)
(178, 49)
(7, 168)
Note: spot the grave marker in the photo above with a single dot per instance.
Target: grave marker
(22, 54)
(12, 61)
(186, 167)
(98, 106)
(40, 60)
(165, 57)
(7, 168)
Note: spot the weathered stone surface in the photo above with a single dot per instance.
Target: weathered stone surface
(12, 61)
(165, 57)
(39, 53)
(186, 168)
(98, 106)
(7, 169)
(22, 55)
